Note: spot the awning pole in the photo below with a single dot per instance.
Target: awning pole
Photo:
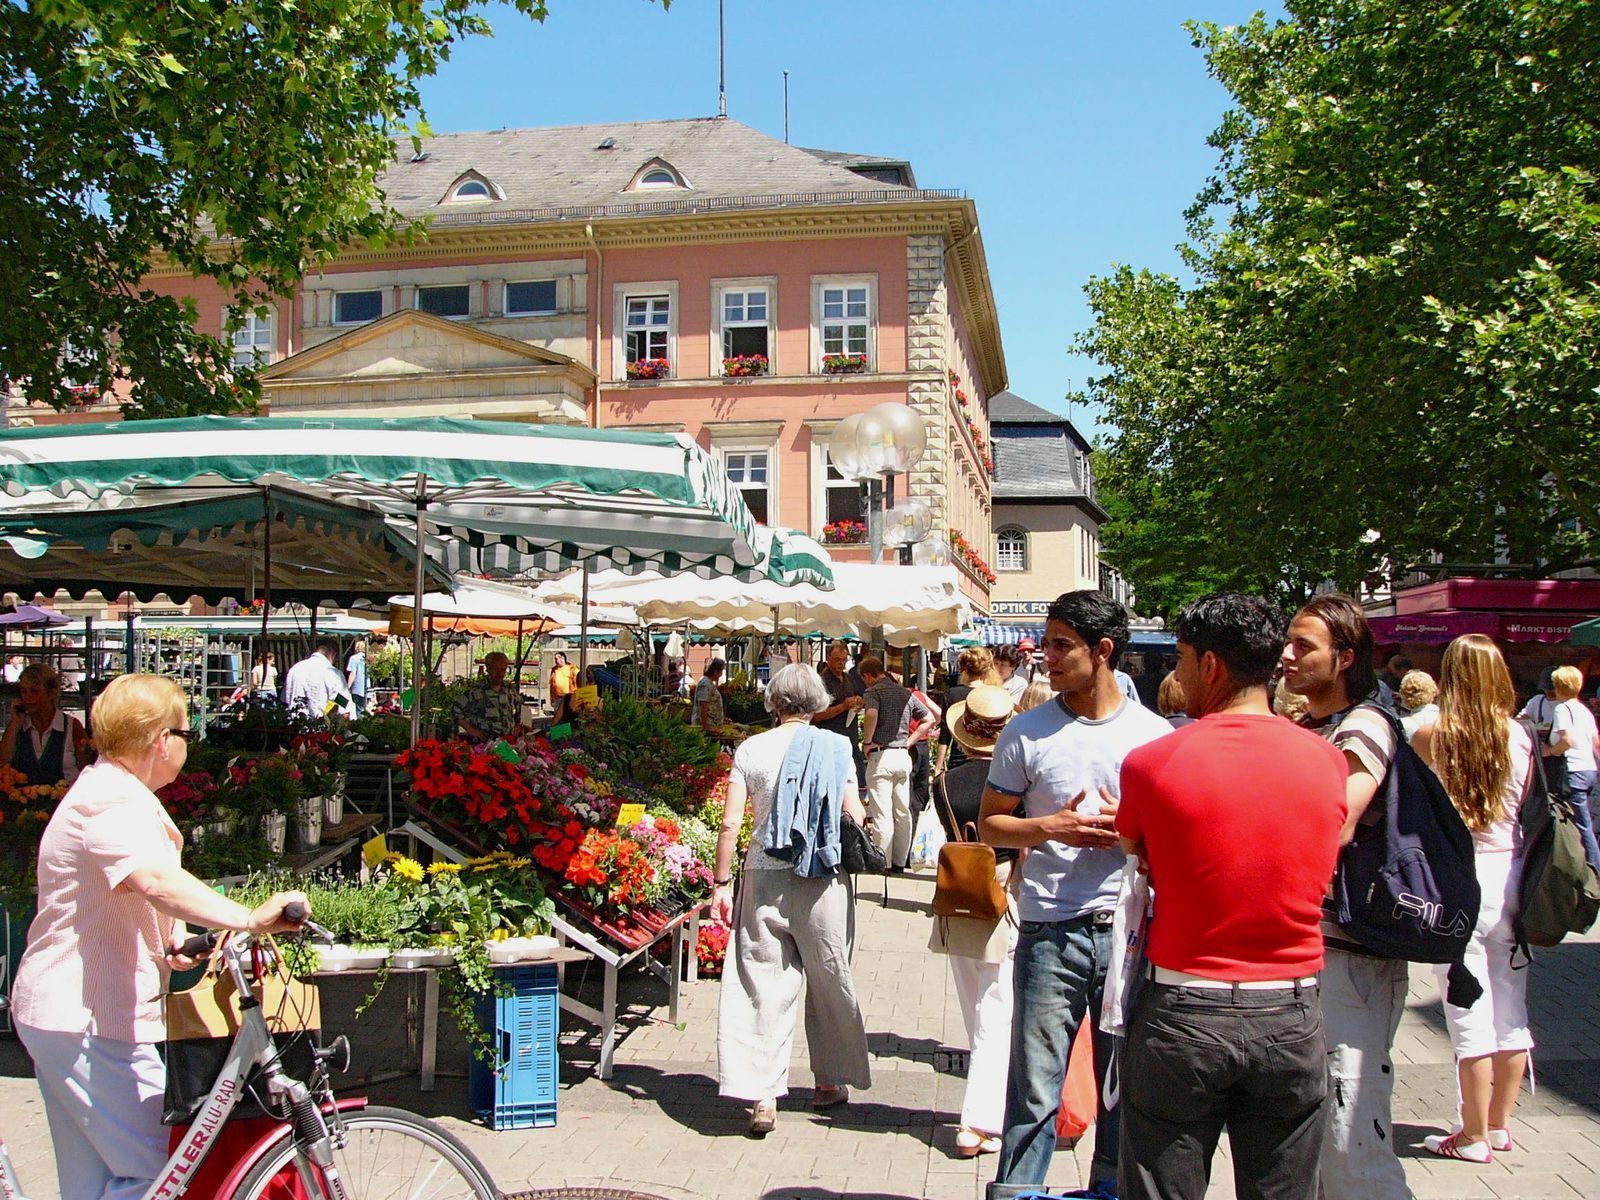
(416, 616)
(266, 577)
(583, 632)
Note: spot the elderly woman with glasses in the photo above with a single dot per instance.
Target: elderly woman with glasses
(87, 1000)
(47, 745)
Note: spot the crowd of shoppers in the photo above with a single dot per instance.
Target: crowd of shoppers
(1235, 794)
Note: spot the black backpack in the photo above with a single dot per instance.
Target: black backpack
(1407, 887)
(1559, 893)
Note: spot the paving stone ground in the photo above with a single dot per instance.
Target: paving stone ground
(658, 1127)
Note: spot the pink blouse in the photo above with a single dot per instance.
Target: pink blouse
(96, 956)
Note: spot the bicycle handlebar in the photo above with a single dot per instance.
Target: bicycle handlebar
(202, 944)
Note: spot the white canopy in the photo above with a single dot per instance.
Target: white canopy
(501, 601)
(914, 605)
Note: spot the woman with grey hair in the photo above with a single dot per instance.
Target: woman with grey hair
(793, 920)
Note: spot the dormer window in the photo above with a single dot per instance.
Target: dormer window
(472, 187)
(655, 175)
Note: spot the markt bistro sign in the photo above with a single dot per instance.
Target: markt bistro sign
(1018, 608)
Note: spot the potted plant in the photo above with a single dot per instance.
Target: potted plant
(844, 532)
(269, 791)
(320, 758)
(745, 366)
(843, 364)
(649, 368)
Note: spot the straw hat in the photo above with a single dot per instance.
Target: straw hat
(976, 722)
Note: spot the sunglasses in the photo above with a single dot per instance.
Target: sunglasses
(188, 735)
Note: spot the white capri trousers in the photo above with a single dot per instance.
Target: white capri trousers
(1498, 1022)
(103, 1099)
(788, 930)
(983, 990)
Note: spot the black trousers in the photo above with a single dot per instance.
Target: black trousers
(1202, 1060)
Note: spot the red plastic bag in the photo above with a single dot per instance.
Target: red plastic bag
(1078, 1091)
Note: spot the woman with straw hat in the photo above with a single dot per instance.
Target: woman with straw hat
(980, 951)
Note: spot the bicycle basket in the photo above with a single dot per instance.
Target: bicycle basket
(203, 1021)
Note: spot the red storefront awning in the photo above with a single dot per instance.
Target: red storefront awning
(1436, 628)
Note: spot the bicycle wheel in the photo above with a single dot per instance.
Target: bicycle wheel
(389, 1153)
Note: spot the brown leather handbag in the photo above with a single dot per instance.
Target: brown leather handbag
(966, 885)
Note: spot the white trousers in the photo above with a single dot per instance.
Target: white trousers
(1499, 1020)
(103, 1099)
(983, 989)
(889, 803)
(788, 931)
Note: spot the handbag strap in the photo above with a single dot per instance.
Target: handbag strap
(942, 793)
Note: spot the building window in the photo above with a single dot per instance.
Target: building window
(844, 324)
(450, 300)
(749, 472)
(253, 341)
(531, 298)
(357, 308)
(841, 499)
(656, 174)
(647, 325)
(473, 189)
(745, 315)
(1011, 549)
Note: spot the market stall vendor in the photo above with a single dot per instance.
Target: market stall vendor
(44, 743)
(491, 708)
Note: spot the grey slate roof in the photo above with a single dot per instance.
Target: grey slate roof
(1035, 453)
(873, 166)
(562, 167)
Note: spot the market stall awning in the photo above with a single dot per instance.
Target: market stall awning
(1437, 628)
(913, 605)
(486, 606)
(32, 616)
(503, 498)
(987, 632)
(207, 542)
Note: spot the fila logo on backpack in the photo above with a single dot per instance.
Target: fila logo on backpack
(1407, 886)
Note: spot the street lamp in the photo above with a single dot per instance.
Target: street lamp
(875, 446)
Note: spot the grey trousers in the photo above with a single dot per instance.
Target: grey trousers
(788, 931)
(1362, 1001)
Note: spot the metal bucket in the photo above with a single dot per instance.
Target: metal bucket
(274, 831)
(333, 808)
(305, 830)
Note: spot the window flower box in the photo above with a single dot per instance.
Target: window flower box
(844, 533)
(745, 366)
(649, 368)
(843, 364)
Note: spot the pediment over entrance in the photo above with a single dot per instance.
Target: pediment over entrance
(414, 364)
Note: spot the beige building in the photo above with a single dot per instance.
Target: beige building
(1046, 519)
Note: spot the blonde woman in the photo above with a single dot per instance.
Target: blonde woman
(1172, 703)
(1419, 695)
(1573, 737)
(1485, 760)
(47, 745)
(1036, 693)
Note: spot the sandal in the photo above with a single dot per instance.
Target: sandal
(826, 1097)
(1499, 1139)
(970, 1143)
(1453, 1145)
(763, 1117)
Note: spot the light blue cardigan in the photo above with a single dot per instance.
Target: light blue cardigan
(803, 826)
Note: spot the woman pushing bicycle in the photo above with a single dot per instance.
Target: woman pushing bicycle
(87, 1000)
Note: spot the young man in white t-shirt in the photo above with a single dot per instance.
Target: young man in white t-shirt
(1061, 762)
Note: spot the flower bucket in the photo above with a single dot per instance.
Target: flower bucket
(274, 831)
(305, 831)
(333, 808)
(218, 827)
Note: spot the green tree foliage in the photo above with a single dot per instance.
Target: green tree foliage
(239, 141)
(1390, 346)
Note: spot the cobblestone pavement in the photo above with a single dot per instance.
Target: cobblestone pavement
(658, 1127)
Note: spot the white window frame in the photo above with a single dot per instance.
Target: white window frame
(724, 453)
(820, 485)
(505, 299)
(820, 284)
(383, 305)
(754, 437)
(470, 289)
(719, 289)
(1020, 536)
(261, 353)
(621, 293)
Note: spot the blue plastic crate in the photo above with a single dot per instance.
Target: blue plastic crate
(522, 1094)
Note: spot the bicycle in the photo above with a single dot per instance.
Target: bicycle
(333, 1149)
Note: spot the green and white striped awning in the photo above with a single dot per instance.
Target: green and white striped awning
(500, 498)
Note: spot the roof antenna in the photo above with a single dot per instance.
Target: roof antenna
(786, 108)
(722, 62)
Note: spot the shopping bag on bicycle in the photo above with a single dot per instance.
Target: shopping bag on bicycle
(203, 1021)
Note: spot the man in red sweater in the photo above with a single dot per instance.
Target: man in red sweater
(1237, 818)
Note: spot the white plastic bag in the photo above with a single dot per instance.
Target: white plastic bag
(1127, 966)
(927, 840)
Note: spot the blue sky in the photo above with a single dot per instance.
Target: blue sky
(1079, 128)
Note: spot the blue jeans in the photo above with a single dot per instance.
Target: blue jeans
(1060, 975)
(1580, 786)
